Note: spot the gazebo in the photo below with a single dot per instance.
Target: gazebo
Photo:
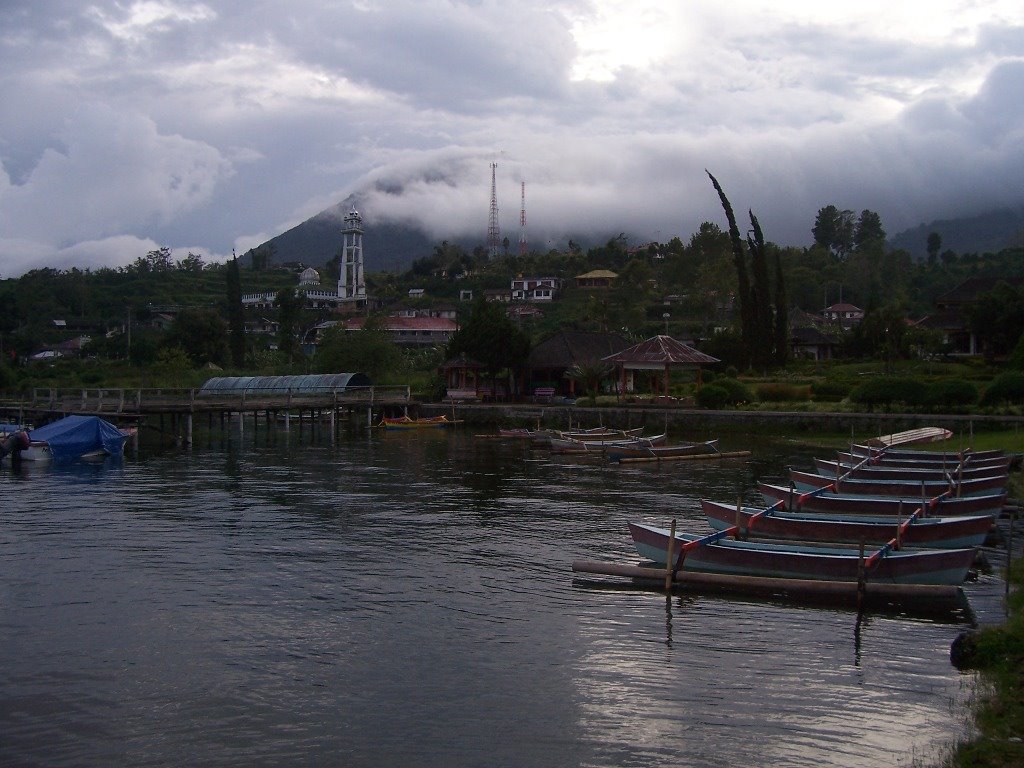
(660, 353)
(462, 377)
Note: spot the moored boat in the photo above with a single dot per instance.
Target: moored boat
(908, 488)
(406, 422)
(998, 463)
(829, 563)
(827, 500)
(937, 532)
(862, 470)
(569, 445)
(74, 437)
(620, 451)
(909, 453)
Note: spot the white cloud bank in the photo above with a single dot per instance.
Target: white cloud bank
(128, 125)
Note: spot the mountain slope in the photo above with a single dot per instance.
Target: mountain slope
(986, 233)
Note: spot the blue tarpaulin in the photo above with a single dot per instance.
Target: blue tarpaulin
(74, 436)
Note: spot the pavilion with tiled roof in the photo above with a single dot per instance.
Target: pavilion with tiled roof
(659, 353)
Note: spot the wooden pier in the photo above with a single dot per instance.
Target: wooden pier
(141, 406)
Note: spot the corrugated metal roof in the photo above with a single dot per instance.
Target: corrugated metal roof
(282, 385)
(662, 349)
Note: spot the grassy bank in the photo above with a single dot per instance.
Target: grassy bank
(998, 652)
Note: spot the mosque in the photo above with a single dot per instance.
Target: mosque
(351, 290)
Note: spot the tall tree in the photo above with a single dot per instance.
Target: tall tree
(833, 229)
(740, 262)
(368, 350)
(765, 343)
(201, 333)
(489, 337)
(781, 340)
(289, 308)
(934, 245)
(867, 232)
(236, 314)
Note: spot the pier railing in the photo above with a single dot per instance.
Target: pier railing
(125, 400)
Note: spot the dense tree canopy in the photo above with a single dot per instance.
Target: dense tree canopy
(489, 337)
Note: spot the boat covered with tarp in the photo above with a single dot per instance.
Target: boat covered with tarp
(73, 437)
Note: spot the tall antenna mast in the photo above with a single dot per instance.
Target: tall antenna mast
(493, 233)
(522, 219)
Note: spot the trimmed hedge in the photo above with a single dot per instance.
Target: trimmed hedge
(712, 397)
(739, 392)
(888, 390)
(830, 391)
(951, 393)
(1005, 388)
(781, 392)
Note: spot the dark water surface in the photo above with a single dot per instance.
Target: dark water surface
(407, 600)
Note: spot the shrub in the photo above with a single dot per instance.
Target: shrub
(888, 390)
(712, 396)
(779, 392)
(1005, 388)
(738, 391)
(951, 393)
(830, 391)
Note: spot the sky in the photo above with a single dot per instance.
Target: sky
(210, 127)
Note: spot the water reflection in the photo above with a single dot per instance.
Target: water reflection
(393, 598)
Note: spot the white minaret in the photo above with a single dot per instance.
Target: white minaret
(351, 281)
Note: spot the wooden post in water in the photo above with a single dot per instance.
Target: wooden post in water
(668, 556)
(1009, 554)
(899, 519)
(188, 431)
(860, 576)
(740, 534)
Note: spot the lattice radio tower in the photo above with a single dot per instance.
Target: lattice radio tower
(493, 231)
(522, 218)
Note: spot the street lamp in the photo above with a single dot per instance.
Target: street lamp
(665, 317)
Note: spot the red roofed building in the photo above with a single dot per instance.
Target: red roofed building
(658, 354)
(412, 331)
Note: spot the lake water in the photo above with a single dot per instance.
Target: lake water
(395, 599)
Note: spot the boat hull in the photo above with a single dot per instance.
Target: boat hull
(936, 532)
(866, 504)
(998, 465)
(907, 488)
(434, 422)
(861, 471)
(601, 447)
(747, 558)
(908, 453)
(617, 452)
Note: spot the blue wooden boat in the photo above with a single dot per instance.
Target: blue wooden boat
(827, 500)
(970, 461)
(935, 532)
(793, 561)
(907, 488)
(862, 471)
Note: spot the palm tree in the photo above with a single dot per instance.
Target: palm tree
(589, 375)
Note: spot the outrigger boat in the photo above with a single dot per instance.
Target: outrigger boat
(619, 451)
(907, 488)
(715, 553)
(406, 422)
(602, 446)
(912, 527)
(827, 500)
